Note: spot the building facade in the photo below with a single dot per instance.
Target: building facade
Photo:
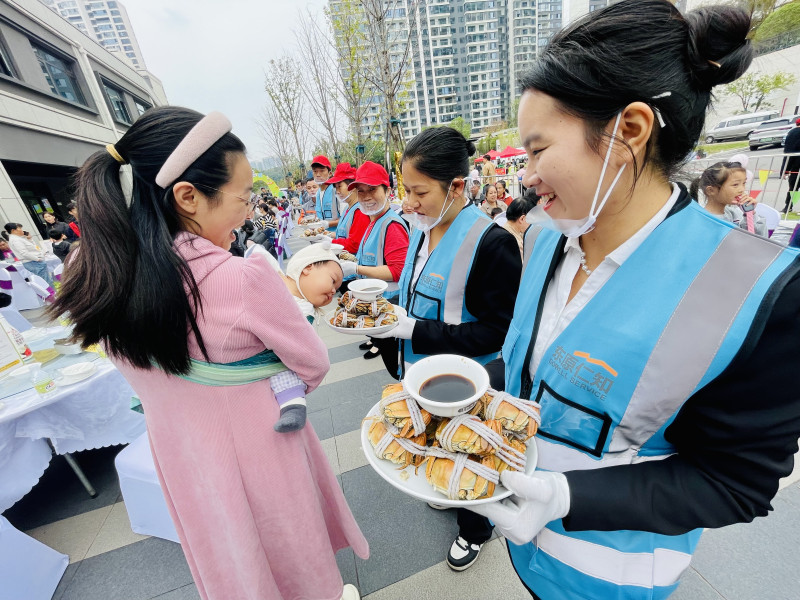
(104, 20)
(63, 96)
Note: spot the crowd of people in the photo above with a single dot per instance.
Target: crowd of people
(659, 417)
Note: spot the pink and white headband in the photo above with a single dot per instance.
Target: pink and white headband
(199, 139)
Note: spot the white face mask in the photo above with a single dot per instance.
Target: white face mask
(425, 223)
(343, 206)
(573, 228)
(320, 180)
(377, 210)
(343, 199)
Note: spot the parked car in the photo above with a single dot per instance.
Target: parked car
(772, 132)
(738, 126)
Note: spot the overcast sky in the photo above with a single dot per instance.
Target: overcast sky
(211, 54)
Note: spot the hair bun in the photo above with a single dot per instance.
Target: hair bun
(719, 51)
(471, 148)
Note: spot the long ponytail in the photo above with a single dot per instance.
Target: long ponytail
(126, 286)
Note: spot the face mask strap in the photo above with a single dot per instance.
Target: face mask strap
(592, 212)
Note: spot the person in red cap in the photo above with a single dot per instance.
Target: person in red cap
(352, 222)
(327, 208)
(382, 252)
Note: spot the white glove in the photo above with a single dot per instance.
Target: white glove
(403, 331)
(538, 499)
(324, 224)
(348, 267)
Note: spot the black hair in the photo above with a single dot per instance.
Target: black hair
(54, 234)
(503, 183)
(645, 50)
(127, 287)
(487, 157)
(9, 227)
(496, 211)
(519, 207)
(71, 206)
(441, 153)
(714, 176)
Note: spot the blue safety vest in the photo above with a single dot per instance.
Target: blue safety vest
(327, 207)
(666, 323)
(439, 292)
(346, 220)
(370, 250)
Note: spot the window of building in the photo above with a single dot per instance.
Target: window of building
(6, 68)
(117, 100)
(60, 75)
(141, 106)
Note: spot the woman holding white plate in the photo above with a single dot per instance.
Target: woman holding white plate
(458, 284)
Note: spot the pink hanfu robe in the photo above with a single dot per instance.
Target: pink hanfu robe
(259, 513)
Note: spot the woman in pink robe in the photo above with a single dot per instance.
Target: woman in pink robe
(259, 514)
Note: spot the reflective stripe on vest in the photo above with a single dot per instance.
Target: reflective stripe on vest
(439, 293)
(371, 248)
(346, 221)
(612, 382)
(326, 205)
(529, 241)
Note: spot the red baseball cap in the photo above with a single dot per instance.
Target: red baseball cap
(370, 173)
(343, 171)
(320, 160)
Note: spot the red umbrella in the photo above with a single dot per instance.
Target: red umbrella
(510, 151)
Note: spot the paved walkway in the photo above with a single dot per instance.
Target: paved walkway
(408, 540)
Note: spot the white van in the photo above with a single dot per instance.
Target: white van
(738, 126)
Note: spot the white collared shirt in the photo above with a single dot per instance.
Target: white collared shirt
(557, 314)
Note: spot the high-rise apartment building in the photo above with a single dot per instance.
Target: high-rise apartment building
(104, 20)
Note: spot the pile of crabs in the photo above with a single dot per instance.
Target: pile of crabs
(466, 453)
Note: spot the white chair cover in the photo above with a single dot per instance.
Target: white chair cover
(144, 500)
(771, 216)
(59, 270)
(23, 296)
(28, 568)
(40, 286)
(16, 320)
(22, 463)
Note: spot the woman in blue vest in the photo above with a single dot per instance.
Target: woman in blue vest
(652, 333)
(458, 284)
(326, 207)
(382, 251)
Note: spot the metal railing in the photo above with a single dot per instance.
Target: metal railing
(779, 42)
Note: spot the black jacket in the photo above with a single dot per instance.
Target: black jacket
(63, 229)
(792, 163)
(61, 249)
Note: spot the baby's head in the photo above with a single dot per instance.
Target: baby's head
(317, 273)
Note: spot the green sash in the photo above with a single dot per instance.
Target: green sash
(263, 365)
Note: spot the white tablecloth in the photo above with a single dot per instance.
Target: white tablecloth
(89, 414)
(28, 568)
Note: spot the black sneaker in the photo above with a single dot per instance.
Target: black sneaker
(365, 345)
(373, 352)
(462, 554)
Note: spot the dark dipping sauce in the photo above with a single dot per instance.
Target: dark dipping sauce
(447, 388)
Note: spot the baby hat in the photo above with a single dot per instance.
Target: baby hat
(308, 256)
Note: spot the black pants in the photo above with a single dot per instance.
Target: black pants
(474, 528)
(792, 187)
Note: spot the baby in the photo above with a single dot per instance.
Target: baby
(312, 276)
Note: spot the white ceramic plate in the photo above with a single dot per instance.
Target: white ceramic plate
(417, 486)
(364, 330)
(76, 373)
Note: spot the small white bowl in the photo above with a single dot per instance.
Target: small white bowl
(336, 248)
(446, 364)
(367, 289)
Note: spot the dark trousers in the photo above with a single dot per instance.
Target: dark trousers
(792, 187)
(474, 528)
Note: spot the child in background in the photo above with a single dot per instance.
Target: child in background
(60, 244)
(723, 187)
(312, 276)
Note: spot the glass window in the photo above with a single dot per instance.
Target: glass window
(141, 106)
(5, 62)
(60, 76)
(117, 101)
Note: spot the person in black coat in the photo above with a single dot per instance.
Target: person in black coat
(791, 164)
(52, 223)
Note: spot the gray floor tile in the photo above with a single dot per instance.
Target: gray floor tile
(319, 399)
(753, 561)
(368, 386)
(321, 421)
(404, 534)
(60, 495)
(345, 352)
(694, 587)
(347, 417)
(187, 592)
(791, 494)
(66, 579)
(346, 560)
(140, 571)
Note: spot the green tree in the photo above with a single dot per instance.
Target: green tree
(786, 18)
(759, 10)
(752, 90)
(462, 126)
